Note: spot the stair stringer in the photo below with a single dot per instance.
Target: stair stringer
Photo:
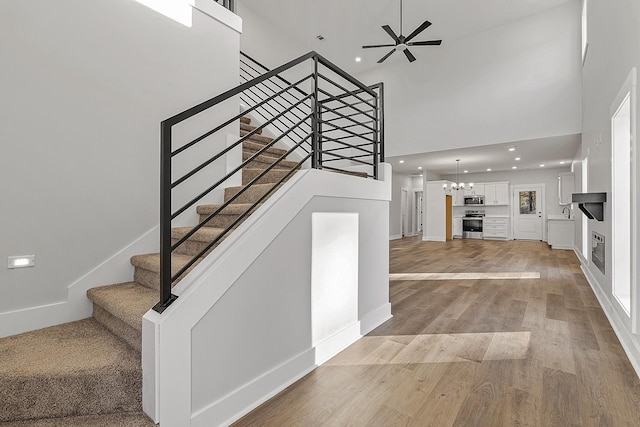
(168, 339)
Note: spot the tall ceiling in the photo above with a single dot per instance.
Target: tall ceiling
(347, 25)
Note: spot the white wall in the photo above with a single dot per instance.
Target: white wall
(84, 88)
(435, 211)
(399, 182)
(614, 48)
(515, 82)
(547, 176)
(265, 42)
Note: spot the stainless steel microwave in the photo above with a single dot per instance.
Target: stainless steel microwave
(474, 200)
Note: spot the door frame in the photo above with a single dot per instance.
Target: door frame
(405, 210)
(515, 203)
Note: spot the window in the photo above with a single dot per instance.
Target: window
(585, 43)
(623, 195)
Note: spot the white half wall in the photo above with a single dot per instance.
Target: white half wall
(84, 88)
(242, 327)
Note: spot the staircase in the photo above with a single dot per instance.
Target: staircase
(88, 373)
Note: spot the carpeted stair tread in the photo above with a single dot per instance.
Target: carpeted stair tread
(151, 262)
(248, 128)
(271, 177)
(232, 209)
(264, 161)
(254, 147)
(77, 368)
(245, 120)
(126, 301)
(124, 419)
(205, 234)
(256, 137)
(251, 195)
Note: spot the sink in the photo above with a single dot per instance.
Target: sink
(558, 217)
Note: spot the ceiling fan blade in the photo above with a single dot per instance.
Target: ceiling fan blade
(421, 28)
(391, 33)
(381, 60)
(409, 56)
(378, 45)
(427, 43)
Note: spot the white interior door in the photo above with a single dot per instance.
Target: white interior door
(528, 212)
(404, 211)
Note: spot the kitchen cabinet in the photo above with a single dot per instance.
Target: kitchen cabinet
(458, 197)
(560, 232)
(457, 227)
(496, 194)
(477, 190)
(566, 183)
(495, 228)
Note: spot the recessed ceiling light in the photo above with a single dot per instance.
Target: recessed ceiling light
(489, 170)
(562, 162)
(401, 161)
(320, 37)
(358, 59)
(419, 167)
(421, 175)
(541, 166)
(514, 167)
(466, 171)
(517, 159)
(512, 148)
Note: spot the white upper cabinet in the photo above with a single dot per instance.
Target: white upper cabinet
(496, 193)
(565, 187)
(477, 190)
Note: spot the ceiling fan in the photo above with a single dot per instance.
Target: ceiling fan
(402, 43)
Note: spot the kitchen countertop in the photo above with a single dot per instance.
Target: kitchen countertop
(496, 216)
(558, 217)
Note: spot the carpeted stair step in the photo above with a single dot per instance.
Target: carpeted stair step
(77, 368)
(271, 177)
(251, 195)
(245, 120)
(226, 216)
(264, 161)
(253, 147)
(124, 419)
(197, 242)
(147, 268)
(256, 138)
(248, 128)
(120, 308)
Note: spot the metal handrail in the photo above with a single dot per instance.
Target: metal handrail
(353, 137)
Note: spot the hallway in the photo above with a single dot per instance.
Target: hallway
(474, 352)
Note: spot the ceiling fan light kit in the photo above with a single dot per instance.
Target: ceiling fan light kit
(402, 43)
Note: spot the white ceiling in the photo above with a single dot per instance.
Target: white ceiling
(533, 153)
(347, 25)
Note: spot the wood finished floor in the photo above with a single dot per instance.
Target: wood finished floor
(514, 352)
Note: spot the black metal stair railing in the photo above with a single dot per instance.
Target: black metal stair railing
(229, 4)
(323, 118)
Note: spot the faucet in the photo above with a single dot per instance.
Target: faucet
(569, 214)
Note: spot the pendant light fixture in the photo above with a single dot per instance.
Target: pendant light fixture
(456, 185)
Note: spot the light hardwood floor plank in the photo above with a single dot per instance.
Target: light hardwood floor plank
(473, 352)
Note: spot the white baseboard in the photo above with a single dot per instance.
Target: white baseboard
(434, 238)
(629, 343)
(375, 318)
(116, 269)
(395, 237)
(244, 399)
(337, 342)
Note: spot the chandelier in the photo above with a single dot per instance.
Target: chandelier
(456, 185)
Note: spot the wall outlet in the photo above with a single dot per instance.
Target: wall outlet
(21, 261)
